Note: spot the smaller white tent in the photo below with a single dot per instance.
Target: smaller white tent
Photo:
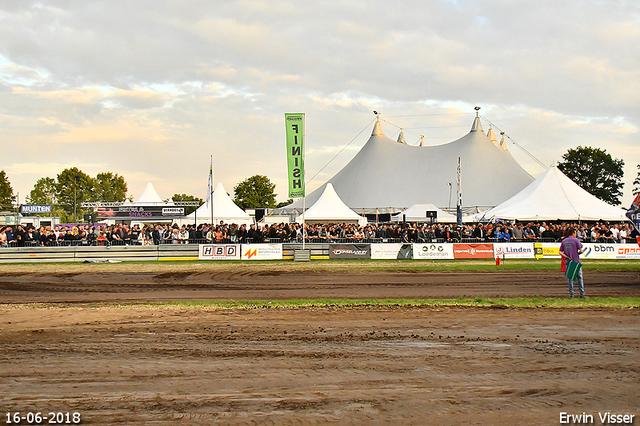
(149, 197)
(331, 208)
(418, 213)
(553, 196)
(223, 209)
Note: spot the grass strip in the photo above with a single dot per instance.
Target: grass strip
(519, 302)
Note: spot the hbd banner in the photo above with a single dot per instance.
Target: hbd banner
(219, 252)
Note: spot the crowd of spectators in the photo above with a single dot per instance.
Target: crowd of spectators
(291, 232)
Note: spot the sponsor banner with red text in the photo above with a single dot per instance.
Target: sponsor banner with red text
(261, 251)
(627, 251)
(219, 252)
(433, 251)
(350, 251)
(473, 251)
(514, 250)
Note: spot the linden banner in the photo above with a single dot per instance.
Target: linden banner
(294, 124)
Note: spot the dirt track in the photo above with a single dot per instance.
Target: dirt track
(263, 285)
(403, 366)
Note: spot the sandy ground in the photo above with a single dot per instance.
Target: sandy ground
(364, 366)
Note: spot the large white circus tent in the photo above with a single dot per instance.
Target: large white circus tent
(418, 213)
(224, 209)
(388, 176)
(553, 196)
(329, 208)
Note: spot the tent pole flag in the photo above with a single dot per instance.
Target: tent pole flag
(295, 132)
(210, 190)
(459, 205)
(634, 215)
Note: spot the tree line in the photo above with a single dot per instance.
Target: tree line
(71, 187)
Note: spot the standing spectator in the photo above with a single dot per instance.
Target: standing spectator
(20, 236)
(518, 232)
(570, 249)
(3, 237)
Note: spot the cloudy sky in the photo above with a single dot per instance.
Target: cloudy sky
(151, 89)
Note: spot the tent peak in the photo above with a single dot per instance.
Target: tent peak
(491, 134)
(477, 126)
(377, 129)
(503, 144)
(401, 138)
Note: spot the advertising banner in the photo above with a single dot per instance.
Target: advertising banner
(261, 251)
(140, 212)
(473, 251)
(550, 250)
(294, 125)
(391, 251)
(432, 251)
(610, 251)
(596, 251)
(219, 252)
(627, 251)
(514, 250)
(35, 208)
(350, 251)
(599, 251)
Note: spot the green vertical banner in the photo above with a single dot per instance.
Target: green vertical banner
(294, 124)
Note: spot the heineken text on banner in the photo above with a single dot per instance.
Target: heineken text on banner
(294, 124)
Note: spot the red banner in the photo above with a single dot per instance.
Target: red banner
(473, 251)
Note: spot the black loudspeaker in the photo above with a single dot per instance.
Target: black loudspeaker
(259, 214)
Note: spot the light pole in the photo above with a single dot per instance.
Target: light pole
(449, 207)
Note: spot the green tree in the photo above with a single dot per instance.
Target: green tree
(595, 171)
(73, 186)
(6, 192)
(285, 203)
(43, 192)
(255, 192)
(185, 197)
(636, 183)
(109, 187)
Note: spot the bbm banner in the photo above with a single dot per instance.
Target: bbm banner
(294, 124)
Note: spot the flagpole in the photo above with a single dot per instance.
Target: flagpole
(304, 177)
(459, 204)
(211, 193)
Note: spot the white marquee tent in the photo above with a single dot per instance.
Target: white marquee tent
(330, 208)
(388, 176)
(418, 213)
(553, 196)
(223, 209)
(150, 197)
